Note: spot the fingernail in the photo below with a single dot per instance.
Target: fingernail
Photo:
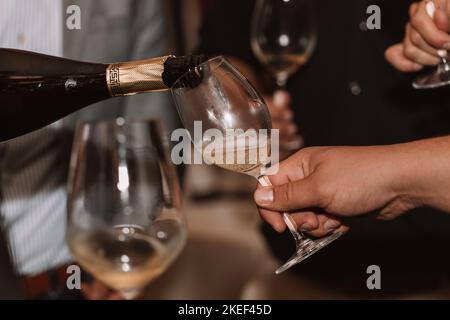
(417, 66)
(431, 9)
(279, 99)
(306, 227)
(331, 225)
(442, 53)
(279, 227)
(264, 196)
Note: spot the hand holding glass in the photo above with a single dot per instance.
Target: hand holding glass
(441, 76)
(219, 97)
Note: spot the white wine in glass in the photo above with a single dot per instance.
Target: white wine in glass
(126, 224)
(282, 66)
(247, 154)
(126, 258)
(283, 36)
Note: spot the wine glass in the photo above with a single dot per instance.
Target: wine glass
(441, 76)
(217, 100)
(126, 224)
(283, 38)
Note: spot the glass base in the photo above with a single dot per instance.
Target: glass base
(439, 78)
(130, 294)
(307, 248)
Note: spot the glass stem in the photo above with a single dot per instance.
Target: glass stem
(292, 226)
(282, 84)
(130, 294)
(299, 237)
(282, 81)
(444, 66)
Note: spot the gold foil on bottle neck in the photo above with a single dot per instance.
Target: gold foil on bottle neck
(134, 77)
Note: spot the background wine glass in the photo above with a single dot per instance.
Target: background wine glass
(283, 38)
(219, 97)
(126, 224)
(440, 77)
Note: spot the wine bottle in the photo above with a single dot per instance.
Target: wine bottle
(36, 89)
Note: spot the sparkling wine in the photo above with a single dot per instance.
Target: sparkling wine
(127, 258)
(282, 66)
(242, 154)
(36, 89)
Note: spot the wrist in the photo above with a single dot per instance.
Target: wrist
(423, 172)
(405, 181)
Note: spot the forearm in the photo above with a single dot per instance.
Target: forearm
(353, 181)
(423, 172)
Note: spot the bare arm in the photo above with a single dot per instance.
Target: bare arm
(426, 32)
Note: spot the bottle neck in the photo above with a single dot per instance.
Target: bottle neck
(130, 78)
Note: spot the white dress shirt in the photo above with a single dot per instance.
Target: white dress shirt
(32, 188)
(32, 25)
(33, 168)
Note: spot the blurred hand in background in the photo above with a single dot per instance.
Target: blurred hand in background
(280, 108)
(96, 290)
(425, 35)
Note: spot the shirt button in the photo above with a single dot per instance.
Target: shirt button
(363, 26)
(354, 88)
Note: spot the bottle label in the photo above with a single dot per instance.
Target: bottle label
(114, 80)
(134, 77)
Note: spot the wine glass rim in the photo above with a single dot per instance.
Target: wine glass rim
(221, 60)
(119, 121)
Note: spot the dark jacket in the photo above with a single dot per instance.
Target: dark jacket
(386, 111)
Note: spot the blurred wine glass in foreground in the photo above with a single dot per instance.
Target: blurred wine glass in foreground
(217, 96)
(126, 224)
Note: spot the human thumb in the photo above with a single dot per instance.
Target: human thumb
(292, 196)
